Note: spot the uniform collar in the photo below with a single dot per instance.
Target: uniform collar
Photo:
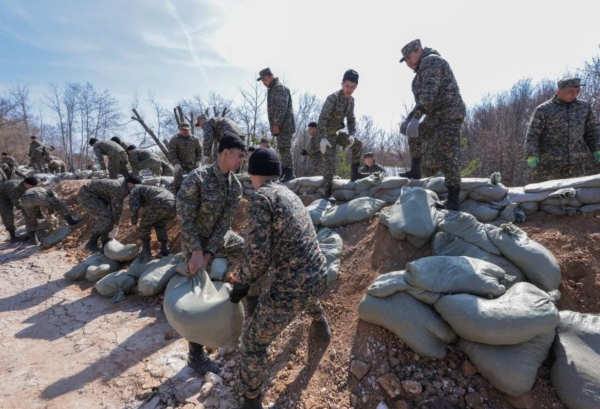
(221, 178)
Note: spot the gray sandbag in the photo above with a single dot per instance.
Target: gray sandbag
(115, 285)
(344, 195)
(512, 369)
(529, 208)
(389, 182)
(368, 182)
(518, 195)
(462, 196)
(218, 270)
(166, 180)
(391, 283)
(154, 280)
(466, 227)
(553, 210)
(412, 218)
(84, 174)
(511, 213)
(95, 272)
(137, 267)
(331, 245)
(56, 236)
(483, 212)
(591, 208)
(307, 190)
(77, 272)
(343, 184)
(317, 209)
(181, 268)
(309, 181)
(467, 184)
(247, 184)
(436, 184)
(451, 275)
(489, 193)
(415, 323)
(352, 212)
(575, 375)
(588, 195)
(445, 244)
(553, 185)
(200, 311)
(537, 262)
(563, 197)
(519, 315)
(119, 252)
(153, 181)
(390, 196)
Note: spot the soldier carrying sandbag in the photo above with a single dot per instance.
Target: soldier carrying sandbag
(10, 166)
(214, 129)
(144, 159)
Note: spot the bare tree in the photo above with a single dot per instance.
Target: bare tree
(252, 110)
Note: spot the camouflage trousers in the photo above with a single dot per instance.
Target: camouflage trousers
(329, 159)
(272, 315)
(316, 165)
(157, 218)
(98, 210)
(178, 177)
(37, 163)
(6, 212)
(154, 164)
(440, 147)
(118, 164)
(32, 206)
(550, 171)
(284, 146)
(167, 168)
(57, 167)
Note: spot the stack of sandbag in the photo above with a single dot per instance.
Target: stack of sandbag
(354, 211)
(318, 209)
(155, 278)
(331, 245)
(114, 250)
(562, 202)
(116, 285)
(560, 199)
(98, 264)
(389, 189)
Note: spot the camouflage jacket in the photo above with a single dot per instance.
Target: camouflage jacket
(436, 91)
(108, 148)
(111, 192)
(562, 133)
(34, 147)
(215, 128)
(149, 197)
(3, 177)
(375, 167)
(314, 147)
(9, 160)
(280, 109)
(331, 119)
(39, 192)
(137, 156)
(13, 190)
(125, 144)
(185, 151)
(56, 164)
(206, 204)
(281, 237)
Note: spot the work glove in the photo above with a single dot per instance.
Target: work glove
(239, 291)
(303, 152)
(177, 168)
(113, 233)
(533, 161)
(403, 127)
(350, 141)
(412, 130)
(596, 156)
(198, 164)
(324, 144)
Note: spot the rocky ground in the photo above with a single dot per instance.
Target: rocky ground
(65, 346)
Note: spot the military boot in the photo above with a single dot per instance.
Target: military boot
(251, 303)
(329, 196)
(72, 221)
(199, 361)
(453, 201)
(355, 174)
(146, 253)
(14, 238)
(254, 403)
(415, 169)
(322, 330)
(288, 174)
(33, 239)
(164, 248)
(92, 244)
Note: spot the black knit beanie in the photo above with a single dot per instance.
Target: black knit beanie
(231, 141)
(133, 180)
(31, 180)
(264, 162)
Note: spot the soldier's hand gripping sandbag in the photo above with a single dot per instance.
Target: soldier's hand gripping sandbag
(202, 312)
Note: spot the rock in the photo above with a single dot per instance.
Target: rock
(394, 361)
(390, 384)
(474, 399)
(169, 334)
(211, 377)
(359, 369)
(212, 402)
(206, 389)
(468, 369)
(188, 390)
(412, 387)
(401, 405)
(525, 401)
(418, 376)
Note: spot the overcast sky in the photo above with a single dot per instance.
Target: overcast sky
(181, 48)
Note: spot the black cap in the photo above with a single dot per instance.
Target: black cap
(231, 141)
(350, 75)
(251, 149)
(264, 162)
(184, 125)
(4, 154)
(131, 147)
(264, 73)
(33, 137)
(93, 141)
(31, 180)
(312, 124)
(133, 179)
(116, 139)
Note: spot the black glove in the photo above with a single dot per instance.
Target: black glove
(303, 152)
(239, 291)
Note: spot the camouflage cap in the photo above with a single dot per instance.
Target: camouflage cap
(368, 155)
(414, 45)
(264, 73)
(184, 125)
(570, 82)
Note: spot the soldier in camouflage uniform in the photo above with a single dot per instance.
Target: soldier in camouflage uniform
(314, 150)
(185, 153)
(338, 106)
(36, 155)
(206, 204)
(144, 159)
(90, 166)
(104, 201)
(10, 166)
(280, 237)
(370, 166)
(37, 198)
(280, 110)
(56, 165)
(124, 144)
(159, 209)
(437, 96)
(3, 177)
(562, 132)
(214, 129)
(117, 157)
(10, 195)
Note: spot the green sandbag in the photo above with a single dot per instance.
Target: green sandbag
(331, 246)
(56, 236)
(119, 252)
(115, 285)
(317, 209)
(77, 272)
(391, 283)
(354, 211)
(154, 280)
(466, 227)
(96, 272)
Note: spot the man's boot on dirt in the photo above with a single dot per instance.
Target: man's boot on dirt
(72, 221)
(415, 169)
(252, 403)
(16, 239)
(322, 329)
(355, 174)
(146, 253)
(164, 248)
(329, 196)
(251, 303)
(92, 244)
(288, 174)
(453, 201)
(33, 240)
(199, 361)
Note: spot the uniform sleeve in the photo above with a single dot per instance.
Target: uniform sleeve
(258, 241)
(534, 133)
(188, 201)
(31, 147)
(116, 206)
(198, 150)
(431, 74)
(280, 100)
(380, 169)
(323, 123)
(46, 154)
(592, 131)
(99, 156)
(134, 204)
(350, 119)
(314, 149)
(217, 239)
(173, 151)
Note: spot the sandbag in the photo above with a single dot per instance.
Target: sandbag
(436, 184)
(200, 311)
(95, 273)
(307, 190)
(154, 280)
(218, 269)
(415, 323)
(137, 267)
(119, 252)
(343, 184)
(489, 193)
(575, 375)
(576, 183)
(390, 196)
(391, 283)
(389, 182)
(483, 212)
(181, 268)
(115, 285)
(588, 195)
(518, 195)
(445, 244)
(512, 369)
(344, 195)
(553, 210)
(331, 246)
(412, 218)
(56, 237)
(77, 272)
(352, 212)
(368, 182)
(449, 274)
(153, 181)
(467, 184)
(521, 314)
(312, 181)
(317, 209)
(462, 196)
(563, 197)
(529, 208)
(591, 208)
(537, 263)
(466, 227)
(511, 213)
